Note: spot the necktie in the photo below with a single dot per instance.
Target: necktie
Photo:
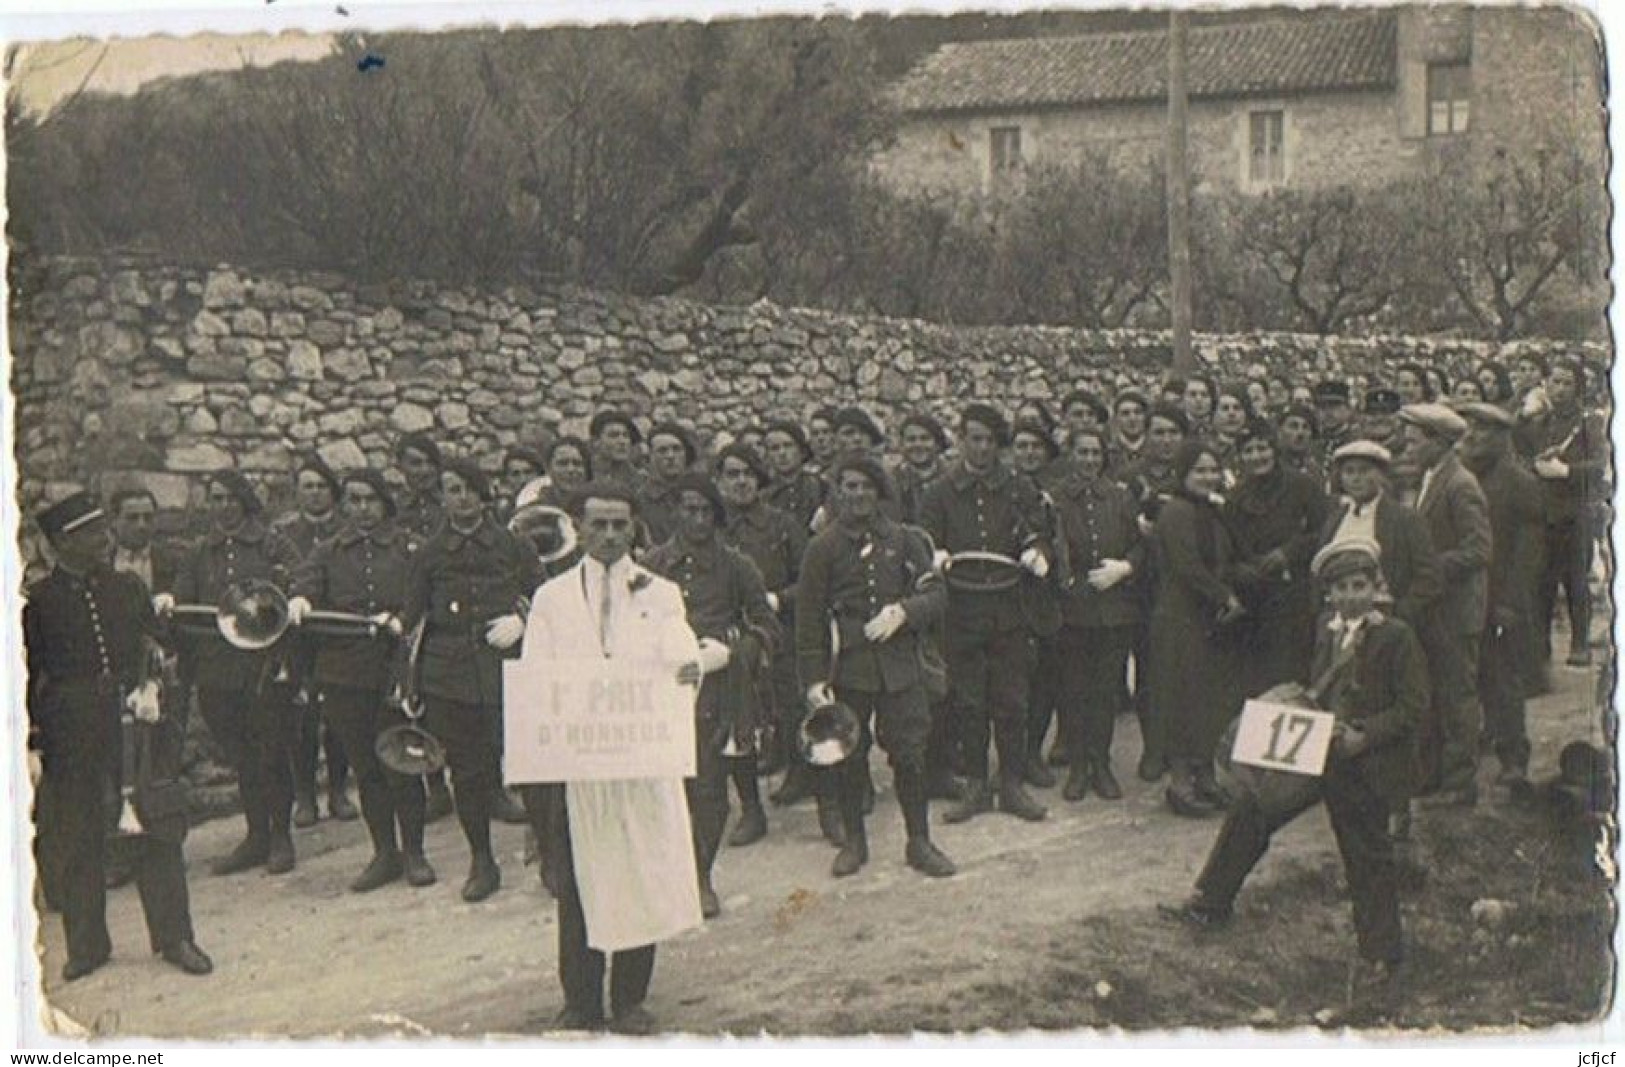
(604, 593)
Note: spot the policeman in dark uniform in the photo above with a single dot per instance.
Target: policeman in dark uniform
(315, 519)
(363, 571)
(245, 700)
(981, 506)
(774, 542)
(85, 631)
(727, 604)
(470, 586)
(874, 579)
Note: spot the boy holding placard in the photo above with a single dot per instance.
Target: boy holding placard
(1369, 672)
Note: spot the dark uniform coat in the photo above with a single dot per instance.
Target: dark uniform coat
(1097, 517)
(1284, 510)
(456, 585)
(987, 511)
(799, 495)
(220, 559)
(849, 574)
(362, 573)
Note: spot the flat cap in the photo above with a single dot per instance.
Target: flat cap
(1363, 449)
(1434, 418)
(1345, 557)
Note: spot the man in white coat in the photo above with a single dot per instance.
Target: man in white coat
(617, 854)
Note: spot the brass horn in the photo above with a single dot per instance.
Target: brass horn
(251, 615)
(549, 529)
(829, 733)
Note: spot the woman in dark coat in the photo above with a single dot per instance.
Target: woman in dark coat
(1276, 516)
(1197, 692)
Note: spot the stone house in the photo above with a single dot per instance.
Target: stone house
(1286, 100)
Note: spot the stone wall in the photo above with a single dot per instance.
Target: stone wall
(175, 371)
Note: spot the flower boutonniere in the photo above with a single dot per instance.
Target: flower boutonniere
(640, 579)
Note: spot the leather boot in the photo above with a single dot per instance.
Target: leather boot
(928, 859)
(484, 878)
(304, 810)
(976, 800)
(279, 857)
(1036, 772)
(251, 853)
(829, 821)
(339, 806)
(855, 852)
(752, 819)
(384, 869)
(439, 803)
(1106, 787)
(1078, 781)
(1014, 800)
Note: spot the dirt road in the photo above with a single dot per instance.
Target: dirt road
(1047, 925)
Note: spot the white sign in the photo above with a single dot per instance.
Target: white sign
(1282, 737)
(595, 719)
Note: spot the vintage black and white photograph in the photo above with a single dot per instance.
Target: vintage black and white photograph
(1066, 522)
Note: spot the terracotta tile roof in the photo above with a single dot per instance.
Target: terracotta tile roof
(1336, 51)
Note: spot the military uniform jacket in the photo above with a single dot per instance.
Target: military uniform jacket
(657, 509)
(773, 541)
(306, 533)
(363, 573)
(911, 482)
(799, 495)
(456, 585)
(988, 511)
(848, 574)
(420, 516)
(1580, 440)
(221, 558)
(1097, 518)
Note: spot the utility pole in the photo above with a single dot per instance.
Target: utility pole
(1179, 195)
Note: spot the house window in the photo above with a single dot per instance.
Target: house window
(1266, 147)
(1005, 142)
(1449, 87)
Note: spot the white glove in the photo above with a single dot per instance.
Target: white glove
(162, 605)
(505, 632)
(820, 694)
(1034, 561)
(773, 601)
(1552, 468)
(298, 608)
(387, 621)
(36, 768)
(1147, 527)
(143, 702)
(886, 623)
(714, 655)
(939, 560)
(1109, 573)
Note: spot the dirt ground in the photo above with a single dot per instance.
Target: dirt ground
(1049, 926)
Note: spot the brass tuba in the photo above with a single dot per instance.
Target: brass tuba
(829, 732)
(251, 615)
(549, 529)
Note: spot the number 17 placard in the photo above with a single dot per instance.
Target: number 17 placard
(1281, 737)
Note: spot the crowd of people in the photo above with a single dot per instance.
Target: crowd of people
(988, 594)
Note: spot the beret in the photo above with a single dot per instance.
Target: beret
(419, 442)
(238, 486)
(319, 467)
(1034, 428)
(694, 482)
(471, 475)
(374, 479)
(870, 469)
(611, 417)
(793, 432)
(1363, 449)
(988, 416)
(672, 429)
(930, 425)
(528, 455)
(1434, 418)
(861, 421)
(1345, 557)
(1478, 411)
(747, 455)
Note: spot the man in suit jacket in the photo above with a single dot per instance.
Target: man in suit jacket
(1517, 526)
(1368, 670)
(1359, 471)
(617, 854)
(1452, 504)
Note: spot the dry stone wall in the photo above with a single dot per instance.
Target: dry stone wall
(125, 366)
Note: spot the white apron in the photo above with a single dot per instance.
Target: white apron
(631, 839)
